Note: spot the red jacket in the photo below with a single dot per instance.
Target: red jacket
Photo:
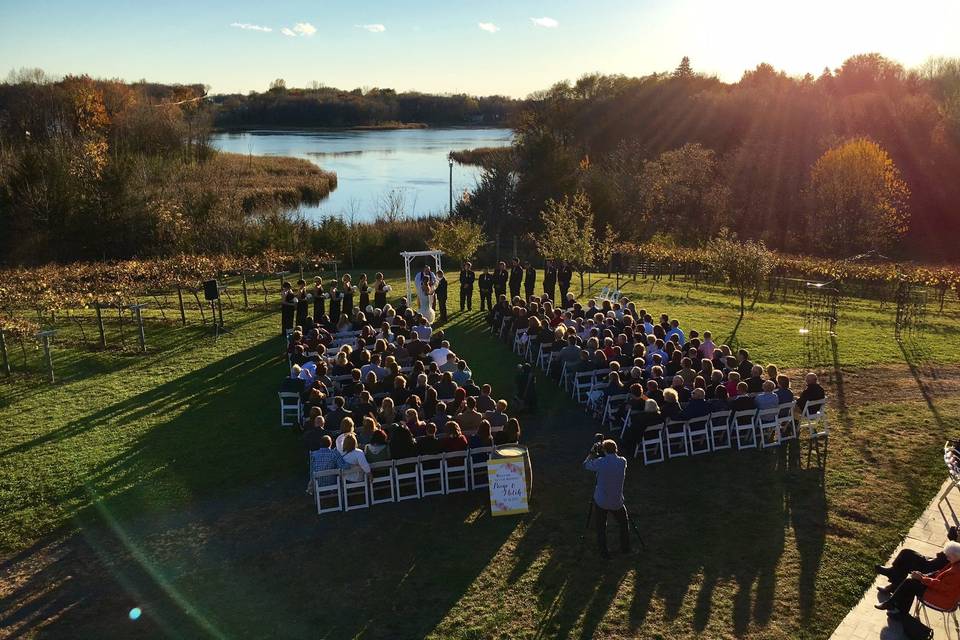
(943, 587)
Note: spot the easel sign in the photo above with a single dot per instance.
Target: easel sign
(508, 486)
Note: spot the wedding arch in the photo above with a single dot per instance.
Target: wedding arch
(408, 257)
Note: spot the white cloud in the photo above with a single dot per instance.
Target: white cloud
(488, 26)
(246, 26)
(372, 28)
(288, 32)
(304, 29)
(545, 22)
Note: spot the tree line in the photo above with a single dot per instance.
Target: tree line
(862, 158)
(320, 106)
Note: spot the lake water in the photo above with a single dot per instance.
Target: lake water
(408, 165)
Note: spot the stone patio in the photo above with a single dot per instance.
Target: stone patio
(927, 536)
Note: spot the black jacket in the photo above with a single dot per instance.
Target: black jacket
(441, 289)
(485, 282)
(467, 278)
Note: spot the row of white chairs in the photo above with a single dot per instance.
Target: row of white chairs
(403, 479)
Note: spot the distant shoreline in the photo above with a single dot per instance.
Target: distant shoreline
(386, 126)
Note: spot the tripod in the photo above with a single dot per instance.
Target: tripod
(631, 521)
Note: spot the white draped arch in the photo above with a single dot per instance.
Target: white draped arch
(408, 257)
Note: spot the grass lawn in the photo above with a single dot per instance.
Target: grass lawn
(163, 482)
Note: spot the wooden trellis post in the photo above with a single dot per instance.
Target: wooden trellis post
(103, 336)
(183, 314)
(136, 308)
(45, 338)
(243, 283)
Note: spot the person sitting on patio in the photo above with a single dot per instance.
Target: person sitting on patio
(908, 561)
(941, 589)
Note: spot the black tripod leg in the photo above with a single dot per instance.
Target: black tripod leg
(636, 530)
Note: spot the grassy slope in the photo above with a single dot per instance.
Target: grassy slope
(186, 492)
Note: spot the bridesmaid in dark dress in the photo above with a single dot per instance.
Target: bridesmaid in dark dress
(288, 306)
(334, 303)
(346, 290)
(364, 293)
(319, 304)
(303, 309)
(379, 292)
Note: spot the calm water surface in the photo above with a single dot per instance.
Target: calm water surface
(408, 166)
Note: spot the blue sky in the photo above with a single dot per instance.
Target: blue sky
(503, 47)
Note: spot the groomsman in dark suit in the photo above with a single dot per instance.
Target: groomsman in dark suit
(500, 279)
(550, 281)
(564, 276)
(529, 280)
(467, 276)
(516, 278)
(485, 282)
(441, 292)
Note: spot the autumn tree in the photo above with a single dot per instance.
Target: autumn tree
(858, 200)
(567, 232)
(458, 238)
(743, 264)
(683, 70)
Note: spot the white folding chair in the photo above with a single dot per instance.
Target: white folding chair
(566, 376)
(652, 444)
(326, 484)
(544, 355)
(786, 422)
(518, 343)
(382, 488)
(479, 461)
(290, 408)
(406, 478)
(356, 490)
(455, 472)
(610, 409)
(676, 438)
(582, 384)
(627, 420)
(744, 429)
(768, 426)
(813, 418)
(720, 430)
(698, 435)
(431, 475)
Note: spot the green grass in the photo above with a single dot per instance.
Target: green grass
(163, 481)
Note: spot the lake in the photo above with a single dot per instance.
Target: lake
(408, 166)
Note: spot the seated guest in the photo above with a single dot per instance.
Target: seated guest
(325, 458)
(365, 407)
(811, 393)
(470, 388)
(483, 437)
(367, 429)
(639, 422)
(908, 561)
(417, 348)
(755, 381)
(446, 388)
(470, 418)
(416, 426)
(430, 401)
(654, 392)
(294, 383)
(697, 407)
(686, 372)
(429, 444)
(400, 394)
(744, 366)
(719, 401)
(335, 417)
(683, 393)
(716, 381)
(342, 366)
(462, 374)
(784, 392)
(346, 428)
(733, 384)
(450, 366)
(402, 443)
(743, 401)
(377, 450)
(354, 457)
(510, 434)
(767, 399)
(485, 401)
(772, 372)
(420, 386)
(387, 413)
(498, 417)
(455, 440)
(441, 415)
(671, 404)
(439, 355)
(313, 436)
(400, 351)
(941, 589)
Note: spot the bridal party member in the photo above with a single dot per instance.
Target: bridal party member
(564, 276)
(550, 280)
(364, 289)
(335, 303)
(319, 304)
(529, 280)
(441, 293)
(380, 292)
(485, 282)
(346, 292)
(500, 279)
(516, 277)
(302, 304)
(467, 276)
(288, 307)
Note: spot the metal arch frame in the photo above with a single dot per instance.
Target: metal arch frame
(410, 255)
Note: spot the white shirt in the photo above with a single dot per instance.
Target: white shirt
(308, 372)
(439, 355)
(358, 466)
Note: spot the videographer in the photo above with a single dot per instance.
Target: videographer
(611, 469)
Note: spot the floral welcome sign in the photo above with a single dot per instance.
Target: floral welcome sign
(508, 488)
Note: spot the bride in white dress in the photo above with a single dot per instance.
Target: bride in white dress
(425, 282)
